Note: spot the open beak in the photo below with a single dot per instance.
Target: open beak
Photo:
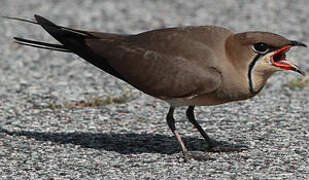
(278, 58)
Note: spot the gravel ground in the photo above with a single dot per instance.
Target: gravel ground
(40, 140)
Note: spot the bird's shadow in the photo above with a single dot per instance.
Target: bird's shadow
(127, 143)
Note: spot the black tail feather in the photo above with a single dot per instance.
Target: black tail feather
(50, 23)
(20, 19)
(39, 43)
(71, 40)
(42, 45)
(75, 41)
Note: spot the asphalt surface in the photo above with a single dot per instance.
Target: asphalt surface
(42, 137)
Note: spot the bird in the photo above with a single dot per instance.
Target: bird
(184, 66)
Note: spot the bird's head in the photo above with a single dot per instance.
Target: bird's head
(261, 54)
(263, 51)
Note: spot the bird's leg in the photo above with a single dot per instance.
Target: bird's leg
(171, 124)
(190, 116)
(214, 146)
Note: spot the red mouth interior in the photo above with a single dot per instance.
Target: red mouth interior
(279, 55)
(278, 59)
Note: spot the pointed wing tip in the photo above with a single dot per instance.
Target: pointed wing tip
(38, 17)
(41, 19)
(44, 22)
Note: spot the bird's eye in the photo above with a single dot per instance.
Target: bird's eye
(260, 48)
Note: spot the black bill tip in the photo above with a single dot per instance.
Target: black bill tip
(297, 69)
(296, 43)
(301, 72)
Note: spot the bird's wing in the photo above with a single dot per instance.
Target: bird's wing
(167, 63)
(169, 67)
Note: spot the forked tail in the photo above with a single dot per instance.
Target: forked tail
(72, 40)
(56, 31)
(42, 45)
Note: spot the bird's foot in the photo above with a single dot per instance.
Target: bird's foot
(217, 146)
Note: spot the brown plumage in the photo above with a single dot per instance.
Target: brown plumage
(185, 66)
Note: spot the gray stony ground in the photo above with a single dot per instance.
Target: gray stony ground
(132, 140)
